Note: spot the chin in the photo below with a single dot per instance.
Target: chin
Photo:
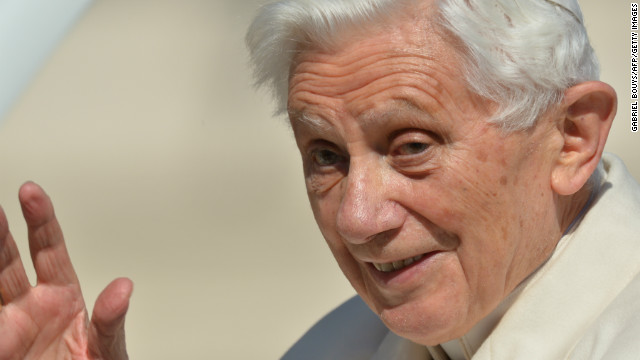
(427, 323)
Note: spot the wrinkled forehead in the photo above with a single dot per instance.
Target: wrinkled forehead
(378, 78)
(408, 22)
(406, 47)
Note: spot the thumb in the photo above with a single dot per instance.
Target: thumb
(106, 331)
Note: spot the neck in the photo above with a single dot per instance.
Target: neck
(570, 207)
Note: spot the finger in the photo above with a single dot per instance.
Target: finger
(13, 279)
(48, 251)
(106, 333)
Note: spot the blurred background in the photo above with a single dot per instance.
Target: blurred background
(166, 167)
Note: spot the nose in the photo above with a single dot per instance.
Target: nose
(368, 207)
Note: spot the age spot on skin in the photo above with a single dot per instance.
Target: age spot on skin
(482, 156)
(503, 180)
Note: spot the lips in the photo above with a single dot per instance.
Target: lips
(396, 265)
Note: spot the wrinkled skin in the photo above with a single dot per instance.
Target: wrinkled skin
(400, 161)
(50, 320)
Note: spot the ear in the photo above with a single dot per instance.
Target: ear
(587, 112)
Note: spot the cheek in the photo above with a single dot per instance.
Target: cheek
(494, 208)
(475, 204)
(325, 208)
(319, 183)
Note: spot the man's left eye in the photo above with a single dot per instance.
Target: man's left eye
(412, 148)
(412, 151)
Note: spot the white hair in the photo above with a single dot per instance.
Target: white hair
(284, 28)
(521, 54)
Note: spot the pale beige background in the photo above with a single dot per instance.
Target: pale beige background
(166, 167)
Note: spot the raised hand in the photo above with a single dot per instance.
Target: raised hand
(50, 320)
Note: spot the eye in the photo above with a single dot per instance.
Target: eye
(412, 148)
(412, 151)
(325, 157)
(325, 166)
(411, 142)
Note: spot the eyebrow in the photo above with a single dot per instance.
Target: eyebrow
(373, 118)
(314, 122)
(368, 119)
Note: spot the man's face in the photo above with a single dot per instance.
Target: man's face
(433, 214)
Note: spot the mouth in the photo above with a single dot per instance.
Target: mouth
(396, 265)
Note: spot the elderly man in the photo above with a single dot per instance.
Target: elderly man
(452, 152)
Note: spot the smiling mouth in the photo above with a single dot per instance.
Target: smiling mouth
(396, 265)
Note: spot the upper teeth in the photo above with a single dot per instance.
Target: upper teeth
(396, 265)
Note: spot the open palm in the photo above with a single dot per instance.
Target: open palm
(50, 320)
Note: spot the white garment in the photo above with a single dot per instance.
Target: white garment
(583, 303)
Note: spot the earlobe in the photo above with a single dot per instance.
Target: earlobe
(587, 112)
